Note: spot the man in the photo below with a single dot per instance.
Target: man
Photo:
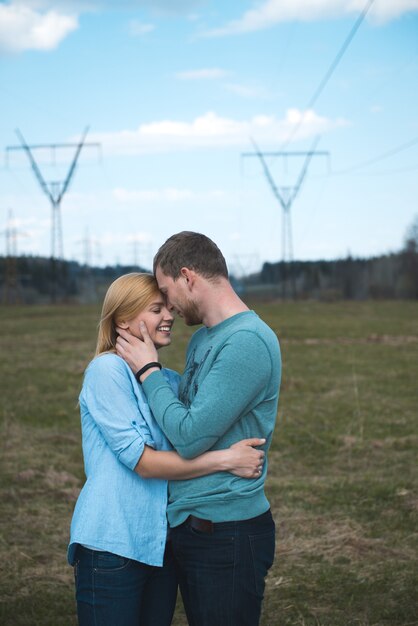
(222, 530)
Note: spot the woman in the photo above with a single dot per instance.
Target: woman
(124, 571)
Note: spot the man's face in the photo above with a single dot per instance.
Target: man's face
(178, 298)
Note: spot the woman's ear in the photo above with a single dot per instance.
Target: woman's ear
(123, 325)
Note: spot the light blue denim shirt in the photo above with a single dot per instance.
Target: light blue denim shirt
(118, 510)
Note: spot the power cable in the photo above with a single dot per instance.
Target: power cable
(395, 74)
(400, 170)
(330, 71)
(376, 159)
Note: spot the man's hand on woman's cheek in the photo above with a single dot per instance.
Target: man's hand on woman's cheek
(134, 351)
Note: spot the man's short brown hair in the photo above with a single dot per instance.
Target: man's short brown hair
(194, 251)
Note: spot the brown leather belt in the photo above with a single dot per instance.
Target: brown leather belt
(207, 526)
(203, 525)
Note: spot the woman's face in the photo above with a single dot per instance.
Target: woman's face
(158, 320)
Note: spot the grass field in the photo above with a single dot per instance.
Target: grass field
(342, 476)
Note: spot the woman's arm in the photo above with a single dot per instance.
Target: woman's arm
(241, 459)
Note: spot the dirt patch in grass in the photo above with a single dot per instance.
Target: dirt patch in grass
(301, 535)
(342, 477)
(390, 340)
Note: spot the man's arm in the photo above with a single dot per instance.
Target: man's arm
(241, 459)
(233, 386)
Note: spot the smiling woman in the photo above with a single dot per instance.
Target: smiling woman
(158, 320)
(123, 565)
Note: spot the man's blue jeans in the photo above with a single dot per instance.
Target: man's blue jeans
(222, 574)
(115, 591)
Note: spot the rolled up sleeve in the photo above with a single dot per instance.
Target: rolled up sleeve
(109, 397)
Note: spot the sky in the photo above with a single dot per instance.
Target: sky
(180, 97)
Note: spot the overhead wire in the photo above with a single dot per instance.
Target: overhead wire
(399, 170)
(395, 74)
(376, 159)
(329, 72)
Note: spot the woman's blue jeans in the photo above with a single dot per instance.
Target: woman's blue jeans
(222, 574)
(115, 591)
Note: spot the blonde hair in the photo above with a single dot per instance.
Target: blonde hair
(127, 296)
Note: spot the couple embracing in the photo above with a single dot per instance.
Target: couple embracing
(176, 466)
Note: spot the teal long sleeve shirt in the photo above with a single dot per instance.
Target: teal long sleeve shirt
(229, 391)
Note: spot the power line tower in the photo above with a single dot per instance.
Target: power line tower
(86, 242)
(135, 253)
(87, 276)
(91, 252)
(141, 253)
(244, 264)
(54, 190)
(286, 196)
(241, 267)
(11, 289)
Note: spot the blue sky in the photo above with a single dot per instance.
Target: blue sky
(174, 91)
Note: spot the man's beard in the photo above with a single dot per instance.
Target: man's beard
(190, 313)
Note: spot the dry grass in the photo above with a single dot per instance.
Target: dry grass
(342, 476)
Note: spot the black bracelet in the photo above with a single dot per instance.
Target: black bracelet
(145, 369)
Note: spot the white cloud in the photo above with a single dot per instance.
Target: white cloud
(207, 73)
(138, 28)
(43, 24)
(385, 10)
(23, 28)
(213, 131)
(165, 8)
(271, 12)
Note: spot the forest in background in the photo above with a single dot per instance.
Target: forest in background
(38, 280)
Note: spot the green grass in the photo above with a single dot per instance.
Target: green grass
(342, 479)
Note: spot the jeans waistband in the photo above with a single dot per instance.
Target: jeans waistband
(207, 526)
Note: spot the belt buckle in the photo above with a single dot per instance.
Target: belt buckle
(203, 525)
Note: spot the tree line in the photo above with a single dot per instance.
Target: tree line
(33, 279)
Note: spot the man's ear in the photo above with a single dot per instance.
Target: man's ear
(189, 276)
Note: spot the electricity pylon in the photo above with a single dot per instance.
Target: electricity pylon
(286, 196)
(55, 192)
(11, 289)
(87, 275)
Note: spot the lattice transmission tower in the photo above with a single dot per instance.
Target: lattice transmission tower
(54, 190)
(11, 288)
(286, 196)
